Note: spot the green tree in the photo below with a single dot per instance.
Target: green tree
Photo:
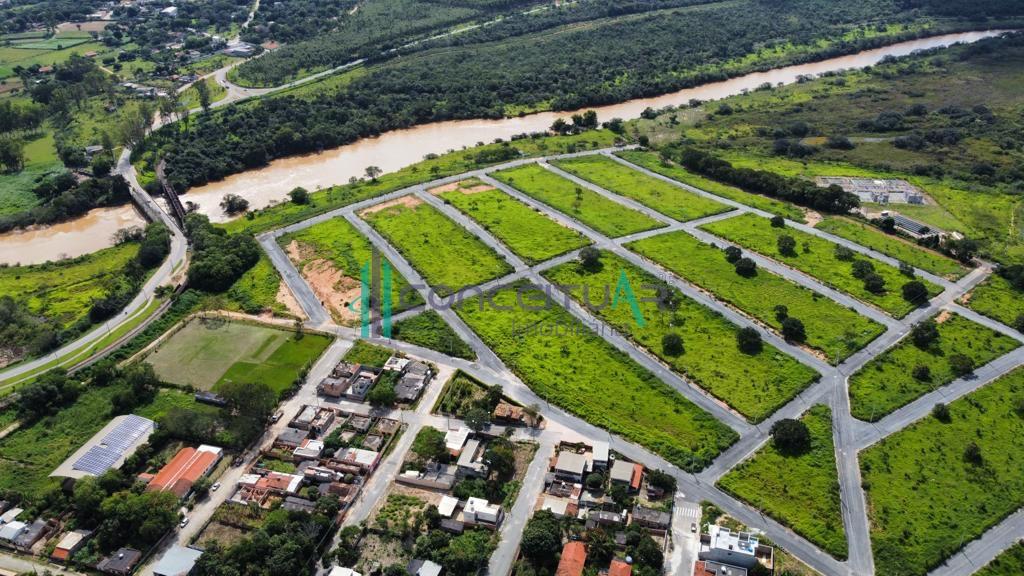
(542, 538)
(477, 418)
(786, 245)
(791, 436)
(429, 444)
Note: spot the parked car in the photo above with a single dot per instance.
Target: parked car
(184, 522)
(693, 527)
(215, 486)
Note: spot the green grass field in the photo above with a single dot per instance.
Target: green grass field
(890, 245)
(816, 257)
(29, 455)
(64, 290)
(887, 382)
(834, 330)
(576, 369)
(754, 384)
(603, 215)
(347, 250)
(40, 159)
(1009, 563)
(429, 330)
(369, 354)
(670, 200)
(653, 162)
(207, 352)
(11, 57)
(255, 291)
(926, 498)
(530, 234)
(447, 256)
(800, 491)
(997, 299)
(190, 97)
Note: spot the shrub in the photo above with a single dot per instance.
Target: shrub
(746, 267)
(299, 195)
(874, 283)
(233, 204)
(672, 344)
(786, 245)
(1018, 324)
(961, 364)
(907, 270)
(915, 292)
(941, 412)
(922, 373)
(793, 330)
(733, 254)
(843, 253)
(862, 268)
(590, 257)
(791, 436)
(781, 312)
(778, 222)
(972, 454)
(749, 340)
(925, 333)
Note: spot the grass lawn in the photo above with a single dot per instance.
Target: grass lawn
(816, 257)
(26, 57)
(64, 290)
(887, 382)
(429, 330)
(1009, 563)
(347, 250)
(369, 354)
(16, 189)
(256, 290)
(997, 299)
(530, 234)
(754, 384)
(926, 498)
(447, 256)
(603, 215)
(574, 368)
(836, 331)
(207, 352)
(800, 491)
(29, 455)
(670, 200)
(190, 97)
(903, 250)
(460, 394)
(653, 162)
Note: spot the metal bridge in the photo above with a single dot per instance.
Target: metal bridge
(172, 197)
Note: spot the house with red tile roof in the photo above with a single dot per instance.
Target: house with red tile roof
(574, 556)
(181, 473)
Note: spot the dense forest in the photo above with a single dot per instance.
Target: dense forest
(575, 67)
(295, 20)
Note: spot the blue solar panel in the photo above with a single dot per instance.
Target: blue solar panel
(98, 459)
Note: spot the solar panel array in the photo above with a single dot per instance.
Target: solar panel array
(112, 447)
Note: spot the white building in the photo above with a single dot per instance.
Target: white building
(480, 511)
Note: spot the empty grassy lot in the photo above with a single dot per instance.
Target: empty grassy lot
(832, 329)
(206, 352)
(927, 497)
(997, 299)
(754, 384)
(531, 235)
(330, 256)
(574, 368)
(653, 162)
(429, 330)
(64, 290)
(670, 200)
(799, 490)
(903, 250)
(370, 354)
(816, 257)
(1009, 563)
(256, 290)
(888, 382)
(447, 256)
(603, 215)
(29, 455)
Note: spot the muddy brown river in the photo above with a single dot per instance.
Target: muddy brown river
(400, 148)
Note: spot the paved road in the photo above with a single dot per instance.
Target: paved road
(982, 551)
(850, 434)
(28, 565)
(515, 519)
(685, 543)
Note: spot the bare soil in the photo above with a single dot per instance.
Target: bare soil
(409, 201)
(330, 285)
(286, 298)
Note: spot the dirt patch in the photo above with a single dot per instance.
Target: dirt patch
(428, 496)
(333, 288)
(943, 316)
(286, 298)
(223, 534)
(465, 186)
(89, 26)
(409, 201)
(966, 298)
(10, 356)
(444, 188)
(811, 217)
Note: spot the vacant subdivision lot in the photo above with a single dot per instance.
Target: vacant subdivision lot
(429, 330)
(891, 245)
(896, 378)
(532, 236)
(799, 490)
(447, 256)
(817, 257)
(603, 215)
(937, 485)
(574, 368)
(206, 352)
(655, 163)
(997, 299)
(670, 200)
(330, 255)
(755, 384)
(835, 331)
(30, 454)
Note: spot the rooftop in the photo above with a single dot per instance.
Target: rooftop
(177, 561)
(724, 539)
(571, 463)
(108, 448)
(574, 556)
